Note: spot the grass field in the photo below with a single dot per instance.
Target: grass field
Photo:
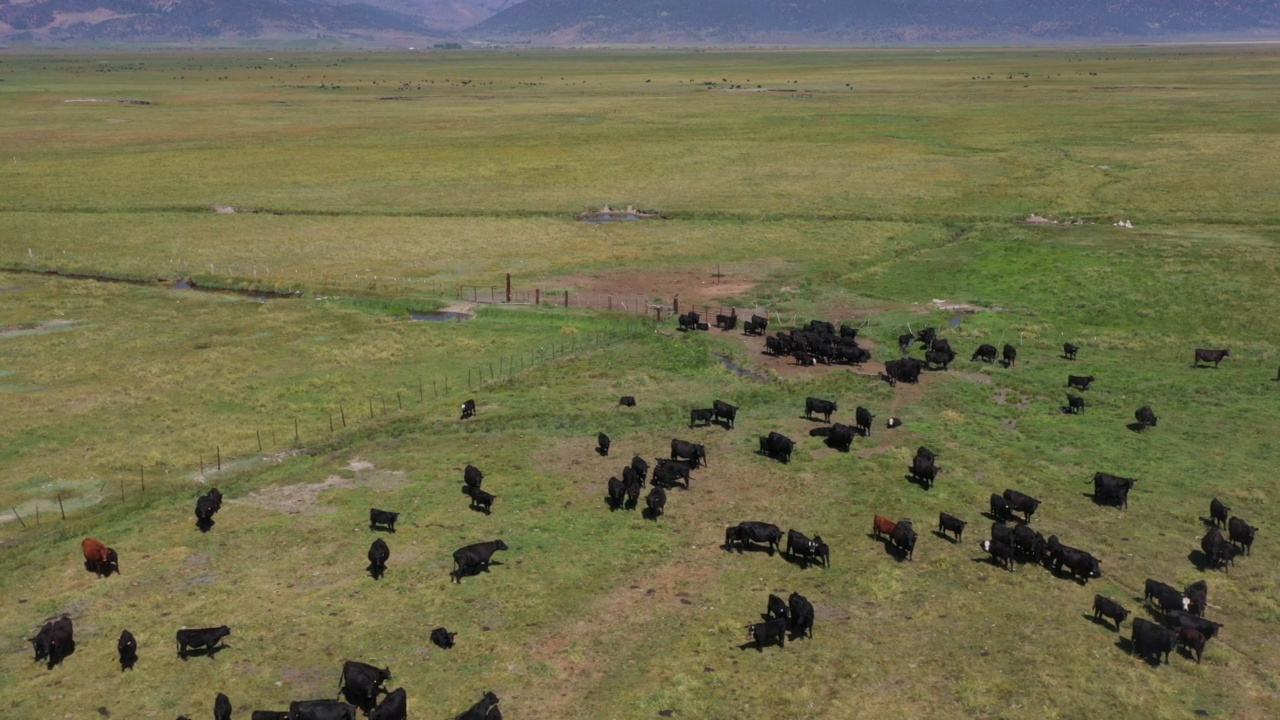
(886, 180)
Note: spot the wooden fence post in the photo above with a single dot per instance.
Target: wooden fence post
(259, 432)
(508, 287)
(15, 514)
(342, 414)
(537, 296)
(218, 449)
(63, 510)
(296, 440)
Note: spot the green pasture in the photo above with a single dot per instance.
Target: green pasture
(888, 180)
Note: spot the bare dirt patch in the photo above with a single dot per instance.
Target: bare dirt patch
(690, 286)
(293, 499)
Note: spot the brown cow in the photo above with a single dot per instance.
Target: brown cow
(882, 526)
(99, 557)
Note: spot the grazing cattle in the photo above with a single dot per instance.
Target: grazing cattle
(821, 551)
(442, 638)
(848, 331)
(939, 357)
(1149, 639)
(749, 328)
(362, 683)
(392, 707)
(1218, 552)
(1000, 508)
(221, 707)
(701, 416)
(321, 710)
(471, 476)
(800, 547)
(40, 643)
(777, 609)
(1075, 404)
(1079, 382)
(882, 526)
(1197, 594)
(127, 647)
(840, 437)
(1166, 596)
(1069, 351)
(1183, 618)
(805, 359)
(801, 611)
(58, 642)
(617, 493)
(1210, 356)
(1191, 639)
(640, 466)
(696, 454)
(1218, 512)
(270, 715)
(904, 342)
(940, 345)
(1029, 543)
(761, 324)
(723, 411)
(207, 638)
(1081, 564)
(862, 419)
(754, 532)
(904, 538)
(1145, 416)
(768, 632)
(656, 500)
(471, 559)
(602, 444)
(385, 518)
(924, 470)
(97, 556)
(631, 477)
(479, 499)
(216, 496)
(627, 401)
(903, 370)
(822, 407)
(204, 513)
(727, 322)
(668, 471)
(1106, 607)
(985, 352)
(468, 409)
(1010, 355)
(950, 523)
(1022, 503)
(378, 555)
(1111, 489)
(1241, 534)
(1001, 553)
(777, 446)
(1001, 533)
(486, 709)
(632, 490)
(927, 336)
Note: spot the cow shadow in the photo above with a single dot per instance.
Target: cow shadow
(650, 514)
(56, 659)
(614, 504)
(753, 645)
(750, 547)
(836, 445)
(1004, 519)
(1126, 644)
(722, 423)
(479, 508)
(1136, 427)
(942, 535)
(1100, 621)
(924, 484)
(107, 571)
(205, 525)
(1200, 560)
(375, 571)
(889, 548)
(473, 571)
(796, 559)
(1209, 523)
(602, 452)
(208, 652)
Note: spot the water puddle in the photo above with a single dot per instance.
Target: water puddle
(441, 316)
(955, 321)
(256, 294)
(736, 369)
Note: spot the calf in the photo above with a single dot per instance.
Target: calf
(1106, 607)
(777, 446)
(97, 556)
(761, 323)
(862, 420)
(640, 466)
(480, 499)
(378, 554)
(768, 632)
(696, 454)
(1210, 356)
(727, 322)
(985, 352)
(777, 609)
(486, 709)
(627, 401)
(927, 336)
(1197, 594)
(321, 710)
(755, 532)
(471, 559)
(1217, 550)
(723, 411)
(392, 707)
(1218, 513)
(904, 538)
(656, 500)
(1022, 503)
(1001, 533)
(1010, 355)
(127, 647)
(632, 490)
(468, 409)
(1181, 618)
(204, 513)
(442, 638)
(617, 493)
(1145, 416)
(821, 552)
(950, 523)
(801, 612)
(1079, 382)
(221, 707)
(1191, 639)
(800, 547)
(471, 476)
(1241, 534)
(1111, 489)
(882, 526)
(207, 638)
(701, 416)
(1069, 351)
(904, 342)
(1075, 404)
(1001, 553)
(1149, 639)
(361, 683)
(384, 518)
(822, 407)
(631, 477)
(602, 444)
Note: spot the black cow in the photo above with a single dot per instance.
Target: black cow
(939, 357)
(127, 647)
(1149, 639)
(1191, 639)
(950, 523)
(479, 499)
(1010, 355)
(927, 336)
(1106, 607)
(40, 643)
(1000, 508)
(761, 324)
(55, 641)
(1022, 503)
(471, 559)
(602, 444)
(486, 709)
(727, 322)
(385, 518)
(904, 538)
(941, 345)
(801, 611)
(777, 446)
(696, 454)
(1075, 404)
(1181, 618)
(926, 454)
(749, 328)
(817, 405)
(378, 554)
(627, 401)
(617, 493)
(471, 476)
(631, 477)
(204, 513)
(1145, 416)
(1069, 351)
(1217, 550)
(724, 411)
(848, 331)
(392, 707)
(985, 352)
(1166, 596)
(701, 416)
(777, 609)
(640, 466)
(632, 490)
(668, 471)
(924, 470)
(753, 531)
(207, 638)
(321, 710)
(1210, 356)
(903, 370)
(1080, 382)
(806, 359)
(656, 500)
(1082, 565)
(840, 437)
(215, 495)
(768, 632)
(468, 409)
(893, 422)
(361, 683)
(862, 419)
(1030, 544)
(1001, 553)
(904, 342)
(1111, 489)
(1001, 533)
(1198, 596)
(1218, 512)
(221, 707)
(442, 638)
(1241, 534)
(800, 547)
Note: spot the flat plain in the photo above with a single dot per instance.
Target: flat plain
(876, 187)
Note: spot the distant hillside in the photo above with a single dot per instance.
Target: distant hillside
(824, 21)
(442, 14)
